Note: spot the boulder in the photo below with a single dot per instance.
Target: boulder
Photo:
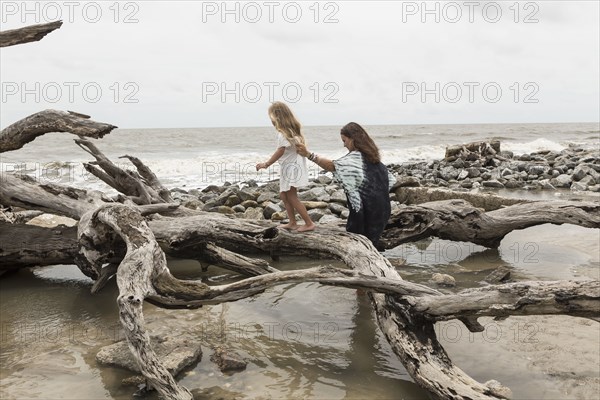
(174, 353)
(239, 208)
(254, 213)
(249, 204)
(270, 209)
(315, 194)
(339, 196)
(314, 204)
(228, 360)
(247, 194)
(492, 183)
(443, 280)
(562, 181)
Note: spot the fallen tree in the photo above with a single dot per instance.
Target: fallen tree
(124, 237)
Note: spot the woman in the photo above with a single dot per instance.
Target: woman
(364, 178)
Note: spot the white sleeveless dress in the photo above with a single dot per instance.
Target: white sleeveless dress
(293, 169)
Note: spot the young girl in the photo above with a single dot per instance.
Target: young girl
(294, 172)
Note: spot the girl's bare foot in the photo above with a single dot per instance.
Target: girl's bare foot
(306, 228)
(289, 226)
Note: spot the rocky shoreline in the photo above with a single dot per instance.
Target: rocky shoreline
(573, 168)
(465, 168)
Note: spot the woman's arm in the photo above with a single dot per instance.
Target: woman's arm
(276, 156)
(322, 162)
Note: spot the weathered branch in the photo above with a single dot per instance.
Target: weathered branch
(20, 133)
(142, 187)
(459, 221)
(54, 199)
(27, 34)
(576, 298)
(144, 259)
(24, 246)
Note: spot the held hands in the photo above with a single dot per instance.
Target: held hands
(301, 149)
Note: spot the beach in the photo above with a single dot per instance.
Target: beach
(304, 340)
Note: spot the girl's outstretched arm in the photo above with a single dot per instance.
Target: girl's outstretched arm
(276, 156)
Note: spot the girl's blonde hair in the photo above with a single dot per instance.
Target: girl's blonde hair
(286, 123)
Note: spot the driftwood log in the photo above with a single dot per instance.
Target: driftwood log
(27, 34)
(114, 238)
(20, 133)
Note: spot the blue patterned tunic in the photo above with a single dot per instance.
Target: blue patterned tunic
(367, 187)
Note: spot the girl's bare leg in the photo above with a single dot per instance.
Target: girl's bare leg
(292, 198)
(290, 212)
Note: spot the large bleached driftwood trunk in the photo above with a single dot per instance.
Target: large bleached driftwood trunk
(113, 238)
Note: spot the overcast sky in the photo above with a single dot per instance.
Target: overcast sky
(159, 64)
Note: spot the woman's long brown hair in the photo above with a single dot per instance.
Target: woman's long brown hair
(362, 141)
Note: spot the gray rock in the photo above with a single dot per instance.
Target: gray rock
(254, 213)
(223, 197)
(249, 204)
(239, 208)
(578, 186)
(222, 210)
(232, 200)
(310, 205)
(339, 196)
(404, 181)
(467, 184)
(512, 184)
(493, 183)
(247, 194)
(525, 157)
(315, 194)
(270, 209)
(546, 185)
(194, 204)
(588, 181)
(345, 214)
(448, 173)
(462, 175)
(562, 181)
(579, 173)
(506, 172)
(280, 216)
(228, 360)
(443, 280)
(174, 353)
(594, 188)
(213, 189)
(536, 170)
(486, 176)
(329, 219)
(337, 208)
(323, 179)
(494, 162)
(207, 197)
(267, 196)
(317, 213)
(459, 163)
(473, 172)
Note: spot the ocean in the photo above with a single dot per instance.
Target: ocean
(197, 157)
(301, 340)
